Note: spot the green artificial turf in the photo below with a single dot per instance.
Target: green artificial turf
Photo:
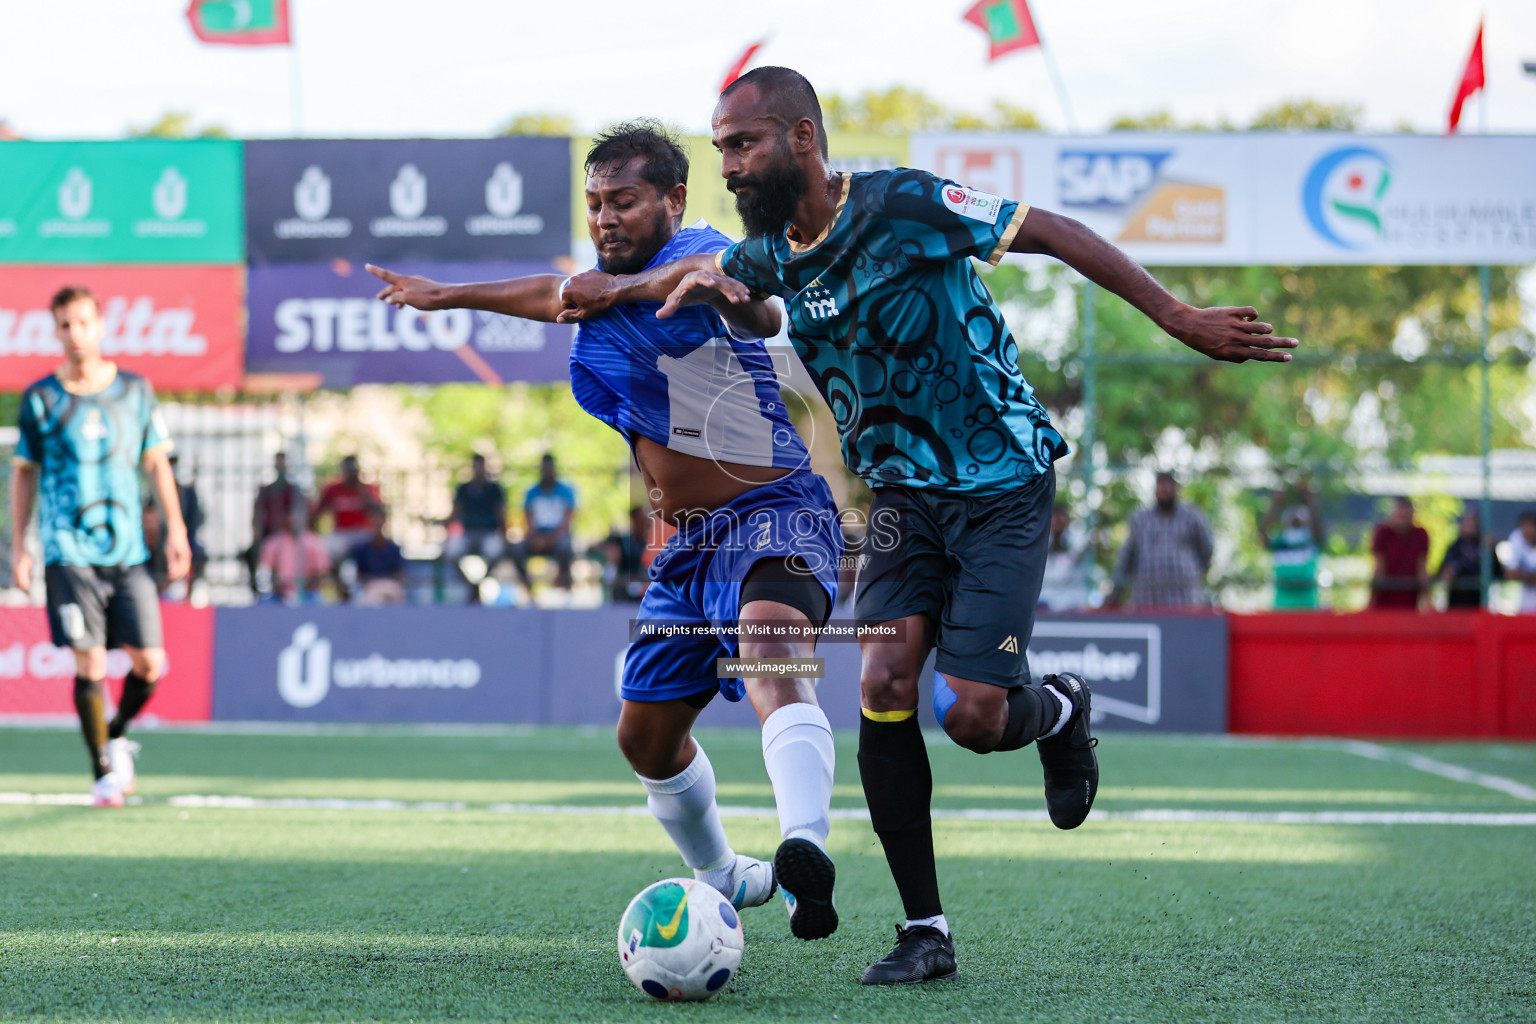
(160, 912)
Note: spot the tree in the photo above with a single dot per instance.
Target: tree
(539, 123)
(1309, 115)
(177, 124)
(901, 110)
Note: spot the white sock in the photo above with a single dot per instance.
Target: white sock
(1066, 711)
(940, 922)
(685, 806)
(797, 748)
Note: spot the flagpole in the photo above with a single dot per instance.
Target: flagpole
(295, 75)
(1059, 84)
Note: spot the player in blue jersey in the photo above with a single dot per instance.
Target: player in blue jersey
(85, 432)
(697, 397)
(922, 373)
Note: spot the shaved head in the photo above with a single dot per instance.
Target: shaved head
(785, 95)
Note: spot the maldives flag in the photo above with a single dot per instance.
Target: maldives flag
(1007, 24)
(240, 22)
(1471, 80)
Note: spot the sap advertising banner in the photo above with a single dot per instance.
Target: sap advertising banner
(1255, 198)
(140, 201)
(178, 326)
(323, 318)
(1166, 674)
(340, 664)
(430, 199)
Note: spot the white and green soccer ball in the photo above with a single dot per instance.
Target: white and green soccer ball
(680, 940)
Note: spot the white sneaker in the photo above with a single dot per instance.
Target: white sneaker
(120, 755)
(107, 792)
(752, 883)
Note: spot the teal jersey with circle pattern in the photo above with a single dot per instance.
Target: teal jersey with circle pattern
(903, 339)
(88, 449)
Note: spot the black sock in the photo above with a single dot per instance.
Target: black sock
(1031, 712)
(89, 696)
(898, 786)
(136, 693)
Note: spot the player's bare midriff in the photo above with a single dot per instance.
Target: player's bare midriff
(679, 484)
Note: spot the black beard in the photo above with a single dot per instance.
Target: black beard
(645, 250)
(775, 195)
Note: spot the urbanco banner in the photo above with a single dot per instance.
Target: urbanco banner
(1268, 198)
(323, 319)
(137, 201)
(428, 199)
(178, 326)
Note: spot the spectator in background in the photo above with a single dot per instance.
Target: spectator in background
(1401, 549)
(380, 565)
(548, 507)
(296, 560)
(1295, 547)
(273, 511)
(192, 515)
(1461, 570)
(1522, 559)
(480, 513)
(351, 504)
(1167, 553)
(624, 561)
(1068, 581)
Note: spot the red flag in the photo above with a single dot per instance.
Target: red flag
(1471, 80)
(741, 64)
(241, 22)
(1007, 24)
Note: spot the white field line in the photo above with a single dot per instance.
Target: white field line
(1157, 815)
(1376, 752)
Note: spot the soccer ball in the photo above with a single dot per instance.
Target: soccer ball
(680, 940)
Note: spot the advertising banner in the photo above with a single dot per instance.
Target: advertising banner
(323, 319)
(37, 678)
(139, 201)
(1165, 674)
(178, 326)
(427, 199)
(340, 664)
(1256, 198)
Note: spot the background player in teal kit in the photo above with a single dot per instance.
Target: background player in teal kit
(698, 400)
(922, 374)
(85, 432)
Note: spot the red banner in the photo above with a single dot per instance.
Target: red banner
(36, 678)
(179, 326)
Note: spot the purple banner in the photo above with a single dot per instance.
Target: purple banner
(322, 318)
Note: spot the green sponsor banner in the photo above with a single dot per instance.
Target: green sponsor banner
(139, 201)
(710, 199)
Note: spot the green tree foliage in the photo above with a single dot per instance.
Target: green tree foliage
(539, 123)
(1309, 115)
(516, 424)
(901, 110)
(177, 124)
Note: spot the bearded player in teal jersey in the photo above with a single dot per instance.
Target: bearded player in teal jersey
(85, 431)
(922, 373)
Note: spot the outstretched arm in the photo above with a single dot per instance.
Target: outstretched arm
(685, 282)
(1229, 333)
(536, 297)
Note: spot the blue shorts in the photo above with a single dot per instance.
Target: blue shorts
(697, 577)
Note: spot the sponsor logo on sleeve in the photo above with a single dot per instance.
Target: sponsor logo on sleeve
(968, 202)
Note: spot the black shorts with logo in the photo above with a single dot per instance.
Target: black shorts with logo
(972, 564)
(103, 606)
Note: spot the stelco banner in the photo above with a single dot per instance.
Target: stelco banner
(178, 326)
(1258, 198)
(149, 201)
(378, 200)
(323, 318)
